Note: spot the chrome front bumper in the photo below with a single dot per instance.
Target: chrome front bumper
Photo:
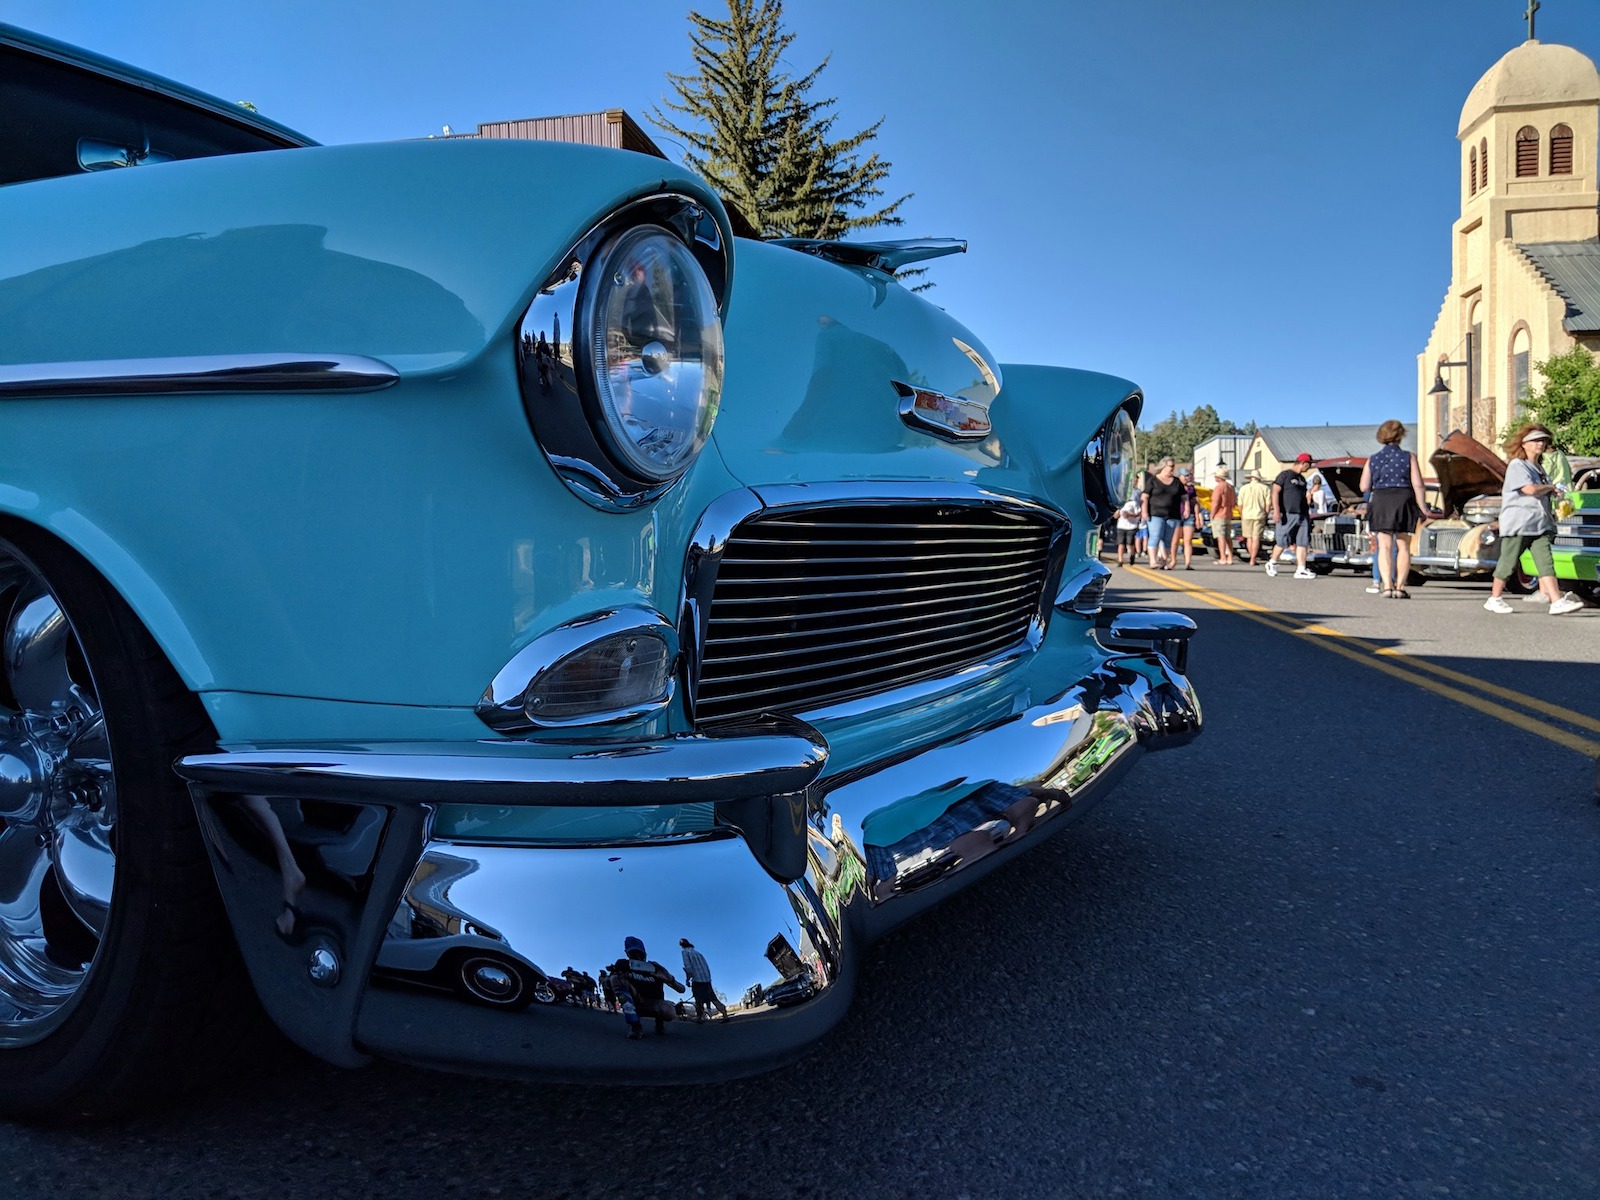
(434, 952)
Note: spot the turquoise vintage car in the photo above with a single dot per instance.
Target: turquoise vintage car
(432, 567)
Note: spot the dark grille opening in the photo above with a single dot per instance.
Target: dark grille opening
(1527, 151)
(817, 606)
(1561, 150)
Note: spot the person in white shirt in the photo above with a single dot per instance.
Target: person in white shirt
(1128, 532)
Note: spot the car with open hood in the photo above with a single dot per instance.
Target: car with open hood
(1461, 540)
(426, 564)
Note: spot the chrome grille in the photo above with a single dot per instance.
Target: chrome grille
(815, 606)
(1580, 531)
(1445, 541)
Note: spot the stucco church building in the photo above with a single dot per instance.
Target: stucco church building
(1525, 252)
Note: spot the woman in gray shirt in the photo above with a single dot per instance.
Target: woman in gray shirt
(1527, 524)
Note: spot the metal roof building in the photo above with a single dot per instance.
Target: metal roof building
(1276, 446)
(613, 128)
(1573, 269)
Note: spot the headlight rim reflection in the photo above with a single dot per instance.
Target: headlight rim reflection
(610, 277)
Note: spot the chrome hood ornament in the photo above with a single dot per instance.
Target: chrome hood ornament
(887, 257)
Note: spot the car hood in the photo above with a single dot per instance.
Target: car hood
(1344, 475)
(1465, 468)
(815, 349)
(422, 254)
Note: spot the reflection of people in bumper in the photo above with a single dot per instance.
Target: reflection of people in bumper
(698, 972)
(647, 981)
(294, 879)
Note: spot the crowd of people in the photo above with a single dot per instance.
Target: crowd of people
(1158, 525)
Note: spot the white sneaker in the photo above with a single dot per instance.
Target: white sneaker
(1497, 605)
(1567, 604)
(1272, 568)
(1536, 598)
(1373, 589)
(1302, 573)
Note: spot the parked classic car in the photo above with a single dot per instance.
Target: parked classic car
(1462, 539)
(1577, 542)
(426, 560)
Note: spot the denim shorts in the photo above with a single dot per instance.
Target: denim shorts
(1162, 531)
(1295, 530)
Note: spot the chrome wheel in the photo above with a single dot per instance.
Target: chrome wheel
(58, 811)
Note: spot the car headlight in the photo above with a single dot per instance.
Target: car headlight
(655, 348)
(621, 350)
(1109, 459)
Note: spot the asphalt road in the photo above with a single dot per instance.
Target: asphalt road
(1342, 945)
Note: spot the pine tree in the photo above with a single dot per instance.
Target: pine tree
(758, 137)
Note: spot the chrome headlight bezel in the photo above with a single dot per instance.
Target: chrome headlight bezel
(560, 360)
(1110, 461)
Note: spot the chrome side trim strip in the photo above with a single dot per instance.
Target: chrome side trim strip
(197, 373)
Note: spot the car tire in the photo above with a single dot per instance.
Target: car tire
(543, 992)
(1414, 579)
(119, 979)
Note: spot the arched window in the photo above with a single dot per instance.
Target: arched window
(1519, 368)
(1483, 157)
(1561, 150)
(1527, 151)
(1472, 172)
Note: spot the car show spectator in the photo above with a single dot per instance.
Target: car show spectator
(1393, 478)
(1320, 492)
(1162, 509)
(1527, 523)
(1188, 516)
(698, 972)
(1128, 520)
(1222, 502)
(1291, 514)
(1255, 502)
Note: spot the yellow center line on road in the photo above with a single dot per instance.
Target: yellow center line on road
(1383, 659)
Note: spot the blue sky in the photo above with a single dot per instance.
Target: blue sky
(1240, 203)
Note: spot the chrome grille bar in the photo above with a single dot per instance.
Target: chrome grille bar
(812, 606)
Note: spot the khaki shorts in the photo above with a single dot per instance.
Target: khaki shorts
(1252, 527)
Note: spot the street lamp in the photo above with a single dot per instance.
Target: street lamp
(1442, 389)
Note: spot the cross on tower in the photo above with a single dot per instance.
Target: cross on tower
(1533, 7)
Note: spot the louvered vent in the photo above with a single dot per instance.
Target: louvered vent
(1561, 150)
(1527, 151)
(816, 606)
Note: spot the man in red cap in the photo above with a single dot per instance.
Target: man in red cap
(1292, 516)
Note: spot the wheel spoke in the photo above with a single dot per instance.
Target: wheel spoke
(85, 871)
(23, 862)
(35, 647)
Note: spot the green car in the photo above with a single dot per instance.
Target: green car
(1577, 548)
